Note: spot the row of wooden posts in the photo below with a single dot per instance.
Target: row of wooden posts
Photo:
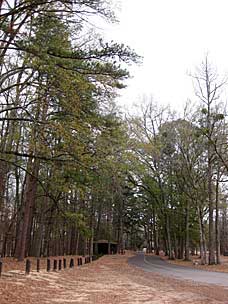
(57, 264)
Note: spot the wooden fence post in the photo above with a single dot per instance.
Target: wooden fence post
(27, 267)
(55, 265)
(48, 265)
(1, 266)
(38, 265)
(71, 263)
(64, 263)
(60, 264)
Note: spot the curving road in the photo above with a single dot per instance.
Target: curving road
(155, 264)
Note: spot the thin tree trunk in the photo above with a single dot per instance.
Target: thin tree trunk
(211, 241)
(186, 255)
(203, 254)
(170, 253)
(217, 234)
(155, 233)
(77, 243)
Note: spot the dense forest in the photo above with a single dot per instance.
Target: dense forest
(74, 169)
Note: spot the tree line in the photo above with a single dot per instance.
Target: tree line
(73, 169)
(182, 177)
(59, 151)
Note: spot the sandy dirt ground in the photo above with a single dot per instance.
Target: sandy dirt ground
(109, 280)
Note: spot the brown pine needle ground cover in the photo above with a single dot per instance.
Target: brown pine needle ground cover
(11, 264)
(195, 263)
(109, 280)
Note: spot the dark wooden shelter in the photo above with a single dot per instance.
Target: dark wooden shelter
(104, 247)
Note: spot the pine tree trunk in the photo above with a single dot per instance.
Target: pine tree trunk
(28, 205)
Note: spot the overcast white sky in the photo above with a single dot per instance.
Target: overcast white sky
(173, 37)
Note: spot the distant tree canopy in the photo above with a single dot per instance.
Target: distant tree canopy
(182, 174)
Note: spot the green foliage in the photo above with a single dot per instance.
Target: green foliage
(79, 220)
(218, 117)
(204, 111)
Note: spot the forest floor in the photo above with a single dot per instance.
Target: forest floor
(195, 263)
(109, 280)
(11, 265)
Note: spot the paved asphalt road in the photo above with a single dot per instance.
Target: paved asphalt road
(155, 264)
